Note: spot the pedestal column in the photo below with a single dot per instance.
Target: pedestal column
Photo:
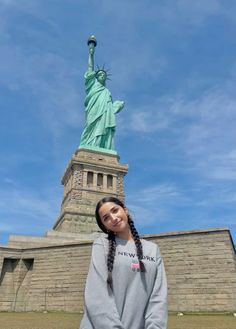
(80, 196)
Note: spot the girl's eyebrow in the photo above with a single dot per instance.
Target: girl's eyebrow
(107, 213)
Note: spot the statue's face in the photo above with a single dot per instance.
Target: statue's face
(101, 77)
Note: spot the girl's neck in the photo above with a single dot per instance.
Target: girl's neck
(126, 235)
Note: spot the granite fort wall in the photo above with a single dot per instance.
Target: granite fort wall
(200, 266)
(55, 282)
(201, 270)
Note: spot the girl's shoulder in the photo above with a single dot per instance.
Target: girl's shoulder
(101, 240)
(100, 246)
(151, 247)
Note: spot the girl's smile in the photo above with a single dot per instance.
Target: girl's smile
(115, 219)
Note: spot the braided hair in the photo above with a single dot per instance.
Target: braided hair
(112, 240)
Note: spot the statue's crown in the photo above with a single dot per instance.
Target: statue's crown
(103, 69)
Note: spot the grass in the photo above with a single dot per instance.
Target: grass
(209, 321)
(39, 320)
(71, 321)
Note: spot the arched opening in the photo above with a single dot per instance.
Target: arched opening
(109, 181)
(90, 178)
(100, 180)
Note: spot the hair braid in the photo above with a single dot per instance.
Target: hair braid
(138, 244)
(112, 240)
(111, 257)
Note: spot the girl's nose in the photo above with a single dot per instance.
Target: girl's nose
(113, 217)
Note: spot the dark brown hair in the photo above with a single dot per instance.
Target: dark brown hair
(112, 240)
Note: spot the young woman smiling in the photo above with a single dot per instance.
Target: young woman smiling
(126, 285)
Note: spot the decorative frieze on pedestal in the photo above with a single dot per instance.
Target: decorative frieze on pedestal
(89, 176)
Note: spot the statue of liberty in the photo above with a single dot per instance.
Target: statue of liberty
(100, 109)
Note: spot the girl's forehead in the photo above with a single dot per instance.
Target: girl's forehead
(106, 207)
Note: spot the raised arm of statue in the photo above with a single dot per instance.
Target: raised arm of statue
(91, 44)
(91, 58)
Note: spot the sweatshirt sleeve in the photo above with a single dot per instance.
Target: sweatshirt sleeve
(156, 311)
(100, 307)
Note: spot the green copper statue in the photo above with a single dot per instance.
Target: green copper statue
(100, 110)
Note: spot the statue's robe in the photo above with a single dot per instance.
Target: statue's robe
(100, 114)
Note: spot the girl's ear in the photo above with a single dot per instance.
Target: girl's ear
(126, 211)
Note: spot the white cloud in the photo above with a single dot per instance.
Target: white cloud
(182, 207)
(23, 206)
(153, 203)
(160, 193)
(191, 16)
(15, 159)
(6, 228)
(201, 130)
(210, 138)
(140, 43)
(49, 80)
(148, 121)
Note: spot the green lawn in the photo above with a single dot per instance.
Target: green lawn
(71, 321)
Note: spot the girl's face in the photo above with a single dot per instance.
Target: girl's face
(114, 218)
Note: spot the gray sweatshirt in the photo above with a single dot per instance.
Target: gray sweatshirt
(138, 299)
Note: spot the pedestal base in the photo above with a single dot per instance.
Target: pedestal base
(90, 176)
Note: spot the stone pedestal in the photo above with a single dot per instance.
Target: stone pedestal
(89, 176)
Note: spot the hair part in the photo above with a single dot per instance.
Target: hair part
(112, 240)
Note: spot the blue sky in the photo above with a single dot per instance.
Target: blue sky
(174, 65)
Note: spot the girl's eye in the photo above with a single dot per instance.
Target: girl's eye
(105, 219)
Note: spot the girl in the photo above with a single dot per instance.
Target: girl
(126, 284)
